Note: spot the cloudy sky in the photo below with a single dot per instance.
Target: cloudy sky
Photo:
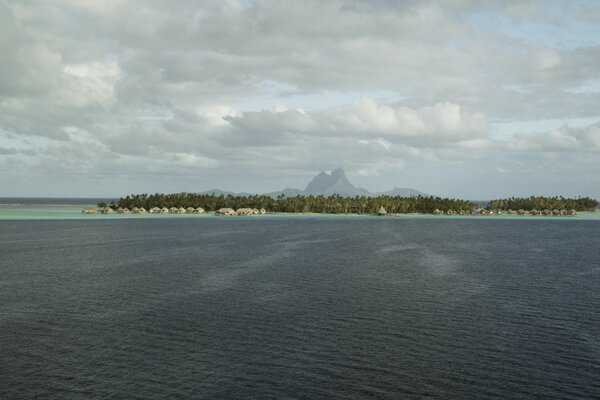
(460, 98)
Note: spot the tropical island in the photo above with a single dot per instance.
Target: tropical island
(334, 194)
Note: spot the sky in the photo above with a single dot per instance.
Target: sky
(458, 98)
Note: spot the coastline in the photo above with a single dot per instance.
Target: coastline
(19, 212)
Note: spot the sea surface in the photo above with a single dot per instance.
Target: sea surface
(300, 308)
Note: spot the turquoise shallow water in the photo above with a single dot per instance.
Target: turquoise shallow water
(70, 211)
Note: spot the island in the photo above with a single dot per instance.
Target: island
(232, 205)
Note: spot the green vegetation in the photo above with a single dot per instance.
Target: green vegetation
(300, 204)
(544, 203)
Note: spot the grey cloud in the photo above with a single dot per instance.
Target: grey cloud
(153, 87)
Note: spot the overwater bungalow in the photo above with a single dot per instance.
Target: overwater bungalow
(244, 211)
(226, 211)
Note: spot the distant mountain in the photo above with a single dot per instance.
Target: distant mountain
(337, 183)
(219, 192)
(402, 192)
(327, 185)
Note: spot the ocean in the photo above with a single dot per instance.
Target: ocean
(299, 308)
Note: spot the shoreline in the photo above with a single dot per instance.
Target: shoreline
(73, 212)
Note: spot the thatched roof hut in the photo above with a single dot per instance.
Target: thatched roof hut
(200, 210)
(572, 211)
(244, 211)
(106, 210)
(88, 211)
(164, 210)
(142, 210)
(255, 211)
(381, 211)
(190, 210)
(437, 212)
(226, 211)
(174, 210)
(154, 210)
(181, 210)
(262, 211)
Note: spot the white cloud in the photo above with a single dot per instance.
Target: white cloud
(137, 88)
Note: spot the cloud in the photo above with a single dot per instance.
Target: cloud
(564, 139)
(224, 90)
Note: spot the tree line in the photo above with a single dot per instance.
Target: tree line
(544, 203)
(334, 204)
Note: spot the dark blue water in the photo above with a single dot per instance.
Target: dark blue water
(300, 308)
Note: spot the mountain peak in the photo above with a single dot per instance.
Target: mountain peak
(323, 181)
(337, 174)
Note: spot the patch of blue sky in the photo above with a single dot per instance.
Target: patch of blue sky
(9, 140)
(557, 25)
(277, 94)
(506, 129)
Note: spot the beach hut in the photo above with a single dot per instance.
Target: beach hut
(255, 211)
(89, 211)
(262, 211)
(200, 210)
(555, 212)
(572, 211)
(381, 211)
(190, 210)
(106, 210)
(226, 211)
(244, 211)
(173, 210)
(164, 210)
(437, 212)
(154, 210)
(520, 211)
(141, 210)
(181, 210)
